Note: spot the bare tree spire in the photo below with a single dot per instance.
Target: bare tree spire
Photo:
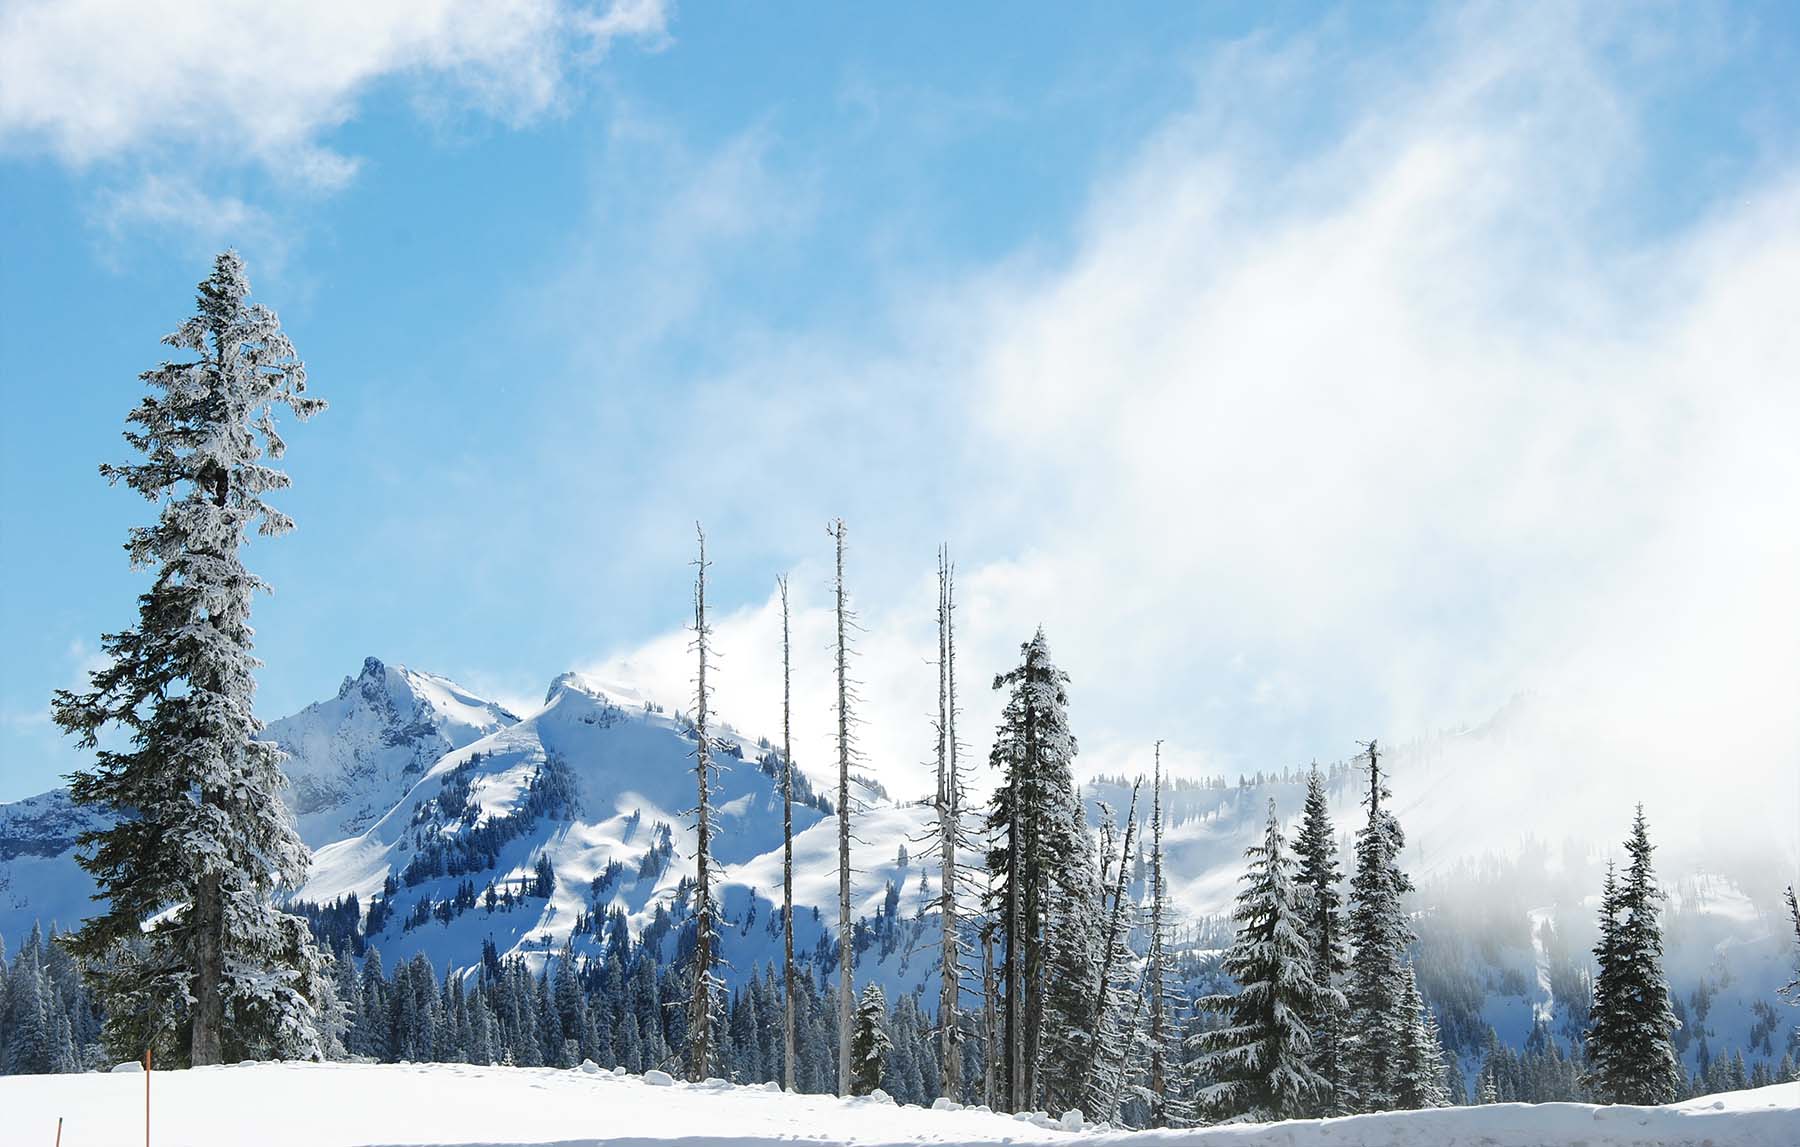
(846, 933)
(949, 812)
(1113, 939)
(787, 844)
(1159, 1030)
(700, 1052)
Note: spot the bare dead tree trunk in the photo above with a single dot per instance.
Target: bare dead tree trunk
(990, 1022)
(846, 933)
(1159, 1074)
(1114, 926)
(700, 1017)
(787, 844)
(949, 823)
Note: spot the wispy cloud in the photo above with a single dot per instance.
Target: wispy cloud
(1361, 437)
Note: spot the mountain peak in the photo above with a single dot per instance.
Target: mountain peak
(374, 673)
(351, 757)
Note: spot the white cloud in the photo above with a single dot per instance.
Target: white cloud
(1294, 449)
(644, 20)
(178, 204)
(90, 80)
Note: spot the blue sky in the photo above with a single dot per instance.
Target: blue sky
(1310, 371)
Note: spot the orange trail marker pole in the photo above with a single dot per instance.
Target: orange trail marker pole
(59, 1131)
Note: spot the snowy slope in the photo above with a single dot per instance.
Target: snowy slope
(337, 1105)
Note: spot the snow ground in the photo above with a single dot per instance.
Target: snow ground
(339, 1105)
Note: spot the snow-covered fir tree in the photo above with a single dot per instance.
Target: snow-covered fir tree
(1258, 1066)
(1631, 1049)
(869, 1041)
(1421, 1076)
(1316, 851)
(1380, 935)
(1033, 858)
(191, 953)
(1602, 1039)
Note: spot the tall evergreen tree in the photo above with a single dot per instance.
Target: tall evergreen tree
(1316, 849)
(199, 842)
(1258, 1064)
(1631, 1046)
(1381, 935)
(1033, 845)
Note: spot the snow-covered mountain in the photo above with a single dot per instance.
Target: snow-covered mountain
(420, 797)
(579, 811)
(352, 757)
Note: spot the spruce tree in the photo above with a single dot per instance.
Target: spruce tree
(1032, 855)
(1258, 1064)
(869, 1040)
(1604, 1037)
(1631, 1044)
(199, 843)
(1315, 847)
(1421, 1074)
(1381, 935)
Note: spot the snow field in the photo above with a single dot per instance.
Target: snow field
(450, 1105)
